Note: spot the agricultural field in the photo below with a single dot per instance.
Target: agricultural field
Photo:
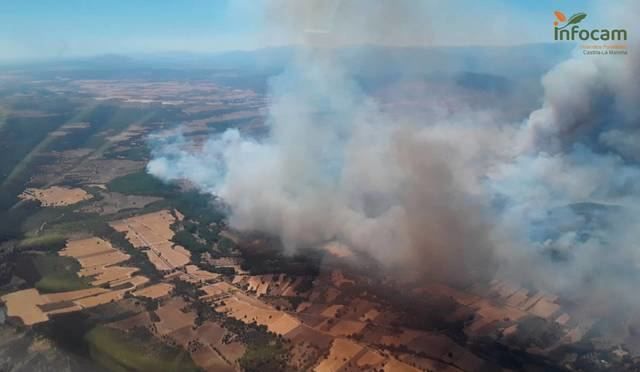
(152, 233)
(112, 202)
(85, 274)
(117, 350)
(148, 275)
(55, 196)
(155, 291)
(52, 273)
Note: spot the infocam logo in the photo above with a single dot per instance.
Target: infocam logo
(569, 29)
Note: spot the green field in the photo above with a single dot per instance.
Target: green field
(202, 217)
(267, 356)
(193, 204)
(119, 351)
(26, 124)
(57, 274)
(141, 183)
(47, 242)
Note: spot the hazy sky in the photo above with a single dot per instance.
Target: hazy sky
(36, 29)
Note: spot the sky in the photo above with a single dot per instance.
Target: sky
(45, 29)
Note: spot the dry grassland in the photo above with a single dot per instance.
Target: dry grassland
(113, 202)
(86, 248)
(347, 328)
(338, 279)
(489, 313)
(330, 312)
(153, 231)
(134, 282)
(518, 298)
(98, 170)
(147, 229)
(93, 265)
(289, 290)
(97, 258)
(370, 315)
(331, 295)
(217, 290)
(56, 196)
(404, 338)
(64, 310)
(113, 275)
(544, 308)
(370, 358)
(274, 285)
(27, 305)
(196, 275)
(172, 318)
(248, 309)
(394, 365)
(426, 364)
(209, 360)
(155, 291)
(24, 306)
(338, 250)
(211, 353)
(139, 320)
(563, 319)
(101, 299)
(342, 350)
(73, 295)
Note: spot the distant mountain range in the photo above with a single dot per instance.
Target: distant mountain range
(508, 61)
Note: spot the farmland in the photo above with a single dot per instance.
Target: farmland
(152, 233)
(117, 350)
(147, 275)
(55, 196)
(54, 273)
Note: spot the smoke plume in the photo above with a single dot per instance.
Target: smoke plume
(458, 196)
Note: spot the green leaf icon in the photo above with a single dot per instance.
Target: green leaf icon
(576, 18)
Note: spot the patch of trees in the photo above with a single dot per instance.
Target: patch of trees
(222, 270)
(186, 290)
(260, 357)
(134, 149)
(138, 258)
(11, 220)
(193, 236)
(68, 331)
(225, 246)
(265, 350)
(296, 301)
(142, 183)
(7, 262)
(500, 356)
(45, 243)
(199, 207)
(305, 285)
(204, 312)
(194, 205)
(190, 242)
(204, 216)
(271, 259)
(535, 331)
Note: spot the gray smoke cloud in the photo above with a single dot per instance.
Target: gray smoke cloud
(337, 167)
(570, 197)
(458, 196)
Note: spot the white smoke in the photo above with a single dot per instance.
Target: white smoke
(455, 196)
